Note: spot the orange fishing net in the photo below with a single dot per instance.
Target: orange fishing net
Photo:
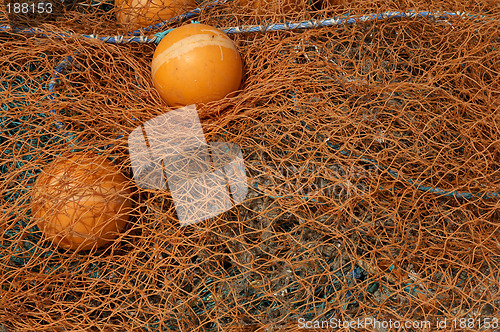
(370, 150)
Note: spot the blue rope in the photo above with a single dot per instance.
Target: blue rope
(418, 185)
(137, 38)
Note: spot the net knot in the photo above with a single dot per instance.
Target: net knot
(160, 35)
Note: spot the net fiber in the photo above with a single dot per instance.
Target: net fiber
(372, 152)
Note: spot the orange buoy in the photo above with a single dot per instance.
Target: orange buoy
(196, 63)
(81, 202)
(138, 14)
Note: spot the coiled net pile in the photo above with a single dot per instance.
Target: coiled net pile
(372, 152)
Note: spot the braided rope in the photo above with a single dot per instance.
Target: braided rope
(137, 37)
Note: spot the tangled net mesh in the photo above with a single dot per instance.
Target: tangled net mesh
(372, 155)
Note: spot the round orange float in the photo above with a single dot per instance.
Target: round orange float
(137, 14)
(81, 202)
(196, 63)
